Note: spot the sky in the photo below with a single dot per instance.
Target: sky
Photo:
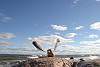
(76, 23)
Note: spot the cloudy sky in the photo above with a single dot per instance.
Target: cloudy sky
(76, 23)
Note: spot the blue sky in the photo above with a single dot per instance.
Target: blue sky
(75, 22)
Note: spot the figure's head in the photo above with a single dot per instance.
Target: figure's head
(49, 53)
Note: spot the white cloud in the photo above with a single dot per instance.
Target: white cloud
(97, 0)
(4, 18)
(93, 36)
(85, 47)
(5, 43)
(79, 27)
(71, 35)
(59, 27)
(76, 1)
(92, 47)
(29, 38)
(67, 49)
(95, 26)
(95, 42)
(17, 50)
(57, 33)
(7, 35)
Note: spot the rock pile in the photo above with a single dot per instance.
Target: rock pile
(51, 62)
